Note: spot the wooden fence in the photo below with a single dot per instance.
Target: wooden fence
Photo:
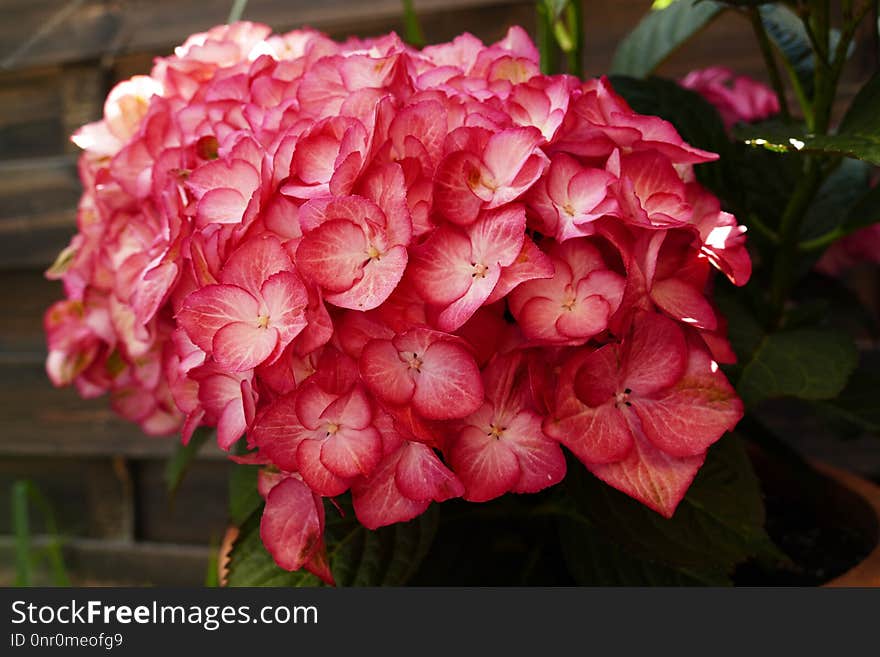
(58, 59)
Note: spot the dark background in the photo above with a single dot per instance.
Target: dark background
(58, 60)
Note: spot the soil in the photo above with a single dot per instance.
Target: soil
(824, 528)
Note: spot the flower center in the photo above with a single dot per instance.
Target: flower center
(414, 362)
(331, 428)
(263, 321)
(569, 209)
(623, 398)
(480, 270)
(495, 431)
(373, 253)
(569, 298)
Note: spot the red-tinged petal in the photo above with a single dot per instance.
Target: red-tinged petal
(684, 302)
(442, 270)
(352, 452)
(597, 379)
(654, 478)
(315, 473)
(497, 237)
(378, 502)
(655, 356)
(421, 475)
(454, 182)
(380, 276)
(541, 461)
(209, 309)
(231, 425)
(333, 255)
(484, 463)
(278, 432)
(311, 402)
(291, 527)
(537, 318)
(584, 319)
(352, 410)
(462, 309)
(449, 384)
(595, 435)
(286, 300)
(217, 174)
(319, 566)
(530, 264)
(254, 262)
(242, 346)
(383, 371)
(687, 418)
(507, 152)
(221, 206)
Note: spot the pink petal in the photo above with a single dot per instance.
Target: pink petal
(333, 255)
(352, 452)
(596, 435)
(462, 309)
(209, 309)
(378, 502)
(380, 277)
(286, 300)
(584, 319)
(449, 384)
(687, 418)
(441, 269)
(684, 302)
(242, 346)
(221, 206)
(454, 182)
(254, 262)
(420, 475)
(292, 526)
(383, 371)
(655, 356)
(232, 424)
(652, 477)
(318, 477)
(530, 264)
(507, 152)
(486, 465)
(497, 237)
(541, 461)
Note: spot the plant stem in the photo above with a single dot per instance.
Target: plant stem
(575, 20)
(413, 32)
(21, 525)
(236, 12)
(770, 61)
(546, 40)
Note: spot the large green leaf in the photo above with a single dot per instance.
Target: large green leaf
(857, 403)
(660, 33)
(833, 207)
(805, 363)
(244, 498)
(719, 524)
(858, 135)
(358, 556)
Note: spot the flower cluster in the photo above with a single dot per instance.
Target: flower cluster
(738, 98)
(411, 275)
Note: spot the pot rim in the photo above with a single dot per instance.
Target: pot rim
(866, 573)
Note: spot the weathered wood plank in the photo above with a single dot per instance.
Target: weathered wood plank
(39, 420)
(88, 497)
(93, 562)
(95, 29)
(196, 514)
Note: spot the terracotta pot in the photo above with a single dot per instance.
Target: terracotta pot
(867, 572)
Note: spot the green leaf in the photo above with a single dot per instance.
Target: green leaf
(660, 33)
(781, 139)
(719, 524)
(179, 463)
(857, 403)
(804, 363)
(21, 527)
(834, 203)
(244, 498)
(358, 557)
(862, 115)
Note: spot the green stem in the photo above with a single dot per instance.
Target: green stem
(237, 10)
(575, 20)
(546, 40)
(413, 32)
(770, 61)
(21, 526)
